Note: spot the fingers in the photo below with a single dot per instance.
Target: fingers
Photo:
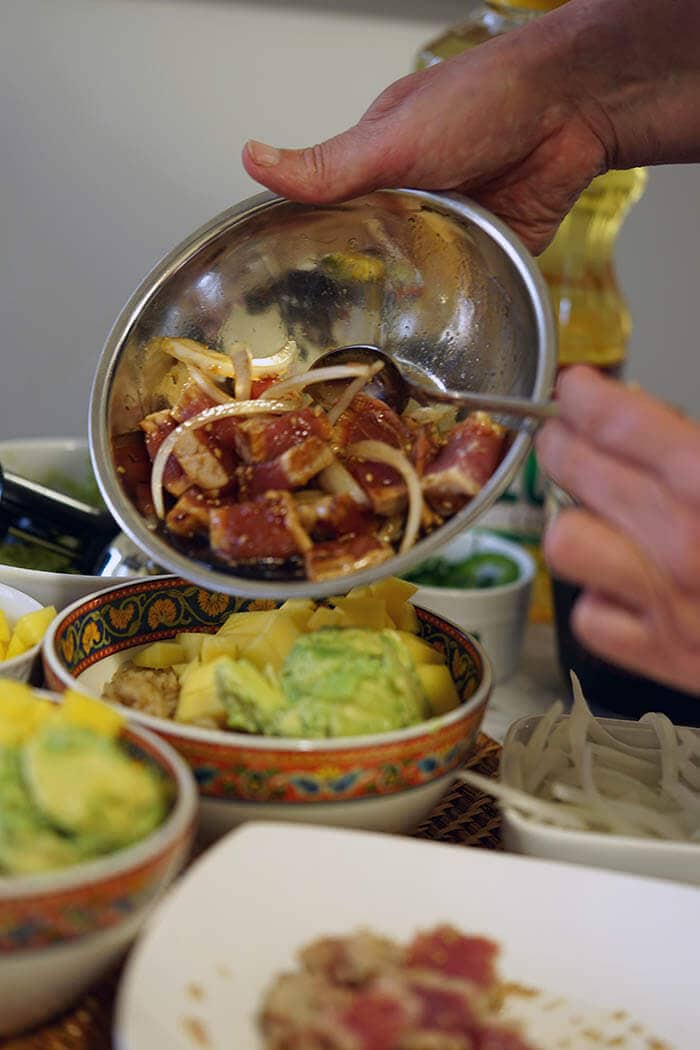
(338, 169)
(583, 549)
(663, 526)
(631, 612)
(633, 426)
(631, 640)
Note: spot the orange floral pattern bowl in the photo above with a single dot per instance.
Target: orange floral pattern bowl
(59, 931)
(244, 776)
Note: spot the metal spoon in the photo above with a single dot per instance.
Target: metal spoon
(394, 386)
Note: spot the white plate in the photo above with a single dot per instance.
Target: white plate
(613, 955)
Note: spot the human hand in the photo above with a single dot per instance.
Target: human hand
(634, 544)
(488, 123)
(523, 122)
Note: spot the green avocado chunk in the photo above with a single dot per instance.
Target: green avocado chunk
(28, 843)
(347, 681)
(250, 698)
(88, 787)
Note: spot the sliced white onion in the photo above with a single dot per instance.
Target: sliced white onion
(277, 363)
(209, 388)
(316, 375)
(192, 353)
(380, 452)
(337, 479)
(240, 355)
(209, 415)
(573, 766)
(351, 391)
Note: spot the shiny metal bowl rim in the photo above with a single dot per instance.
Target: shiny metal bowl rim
(146, 539)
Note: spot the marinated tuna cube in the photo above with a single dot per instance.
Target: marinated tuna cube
(194, 400)
(262, 528)
(205, 462)
(291, 470)
(190, 515)
(452, 953)
(348, 554)
(473, 451)
(156, 428)
(384, 487)
(327, 517)
(368, 419)
(263, 438)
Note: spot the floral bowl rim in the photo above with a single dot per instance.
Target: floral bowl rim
(250, 742)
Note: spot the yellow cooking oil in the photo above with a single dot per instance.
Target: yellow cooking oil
(593, 320)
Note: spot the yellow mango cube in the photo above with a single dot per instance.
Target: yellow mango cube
(15, 647)
(5, 631)
(439, 689)
(80, 710)
(325, 617)
(299, 609)
(191, 642)
(3, 650)
(160, 654)
(272, 644)
(199, 701)
(21, 711)
(215, 645)
(395, 593)
(364, 612)
(31, 627)
(406, 619)
(421, 652)
(250, 623)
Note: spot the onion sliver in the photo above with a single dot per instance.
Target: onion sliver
(205, 384)
(316, 375)
(380, 452)
(276, 363)
(351, 391)
(192, 353)
(209, 415)
(337, 479)
(240, 355)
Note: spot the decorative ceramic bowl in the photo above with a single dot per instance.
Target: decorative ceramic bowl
(14, 604)
(60, 931)
(387, 781)
(664, 859)
(49, 461)
(496, 615)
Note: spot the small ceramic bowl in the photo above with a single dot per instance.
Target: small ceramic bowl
(45, 460)
(679, 861)
(14, 604)
(496, 615)
(384, 782)
(61, 931)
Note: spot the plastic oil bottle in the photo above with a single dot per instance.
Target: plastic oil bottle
(593, 321)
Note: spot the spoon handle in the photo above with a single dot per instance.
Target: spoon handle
(507, 406)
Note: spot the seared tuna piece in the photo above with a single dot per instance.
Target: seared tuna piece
(291, 470)
(262, 528)
(349, 554)
(262, 438)
(473, 451)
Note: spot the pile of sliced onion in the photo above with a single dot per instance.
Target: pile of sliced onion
(380, 452)
(574, 773)
(262, 406)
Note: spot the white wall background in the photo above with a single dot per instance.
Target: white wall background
(121, 123)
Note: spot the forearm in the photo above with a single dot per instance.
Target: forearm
(633, 67)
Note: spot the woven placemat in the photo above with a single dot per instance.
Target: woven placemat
(464, 816)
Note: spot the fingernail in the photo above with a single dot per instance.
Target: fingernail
(262, 154)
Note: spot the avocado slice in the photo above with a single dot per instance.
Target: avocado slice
(28, 843)
(251, 698)
(89, 787)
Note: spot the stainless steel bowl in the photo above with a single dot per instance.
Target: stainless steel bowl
(460, 298)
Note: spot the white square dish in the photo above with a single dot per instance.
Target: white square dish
(610, 954)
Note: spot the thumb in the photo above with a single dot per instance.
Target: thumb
(345, 166)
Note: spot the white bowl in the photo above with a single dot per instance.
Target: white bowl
(39, 459)
(14, 604)
(61, 931)
(679, 861)
(496, 615)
